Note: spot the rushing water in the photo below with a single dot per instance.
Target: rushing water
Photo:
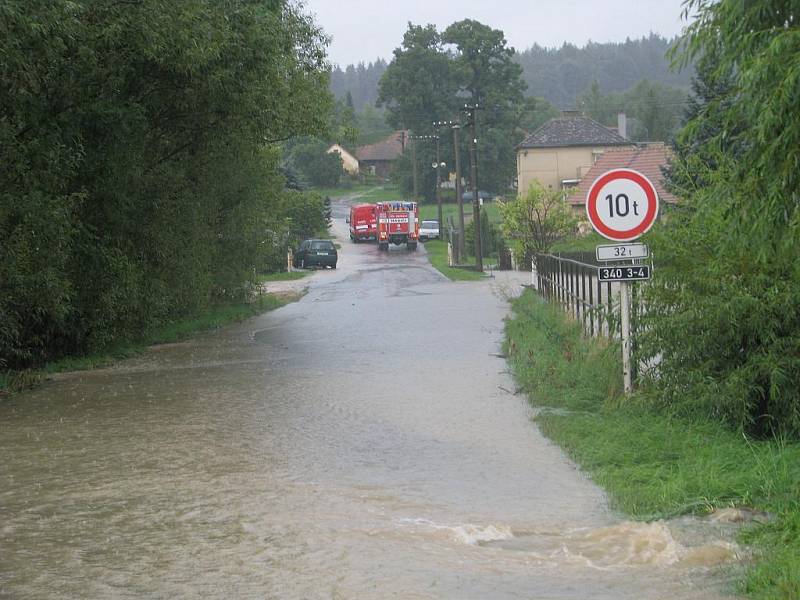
(361, 443)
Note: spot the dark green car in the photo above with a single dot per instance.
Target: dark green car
(316, 253)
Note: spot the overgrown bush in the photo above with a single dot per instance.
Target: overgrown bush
(492, 240)
(723, 321)
(317, 166)
(139, 180)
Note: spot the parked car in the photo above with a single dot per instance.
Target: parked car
(429, 230)
(316, 253)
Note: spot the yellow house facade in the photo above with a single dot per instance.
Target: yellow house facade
(349, 162)
(561, 151)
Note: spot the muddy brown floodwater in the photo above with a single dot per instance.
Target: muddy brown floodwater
(358, 444)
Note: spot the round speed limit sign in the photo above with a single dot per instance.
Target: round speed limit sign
(622, 204)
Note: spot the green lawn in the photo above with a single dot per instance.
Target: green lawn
(437, 255)
(585, 243)
(282, 276)
(365, 193)
(381, 193)
(339, 192)
(430, 211)
(652, 466)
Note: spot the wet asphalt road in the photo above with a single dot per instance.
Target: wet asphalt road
(360, 443)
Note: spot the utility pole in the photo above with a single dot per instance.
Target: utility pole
(439, 182)
(414, 165)
(415, 138)
(455, 126)
(472, 109)
(462, 245)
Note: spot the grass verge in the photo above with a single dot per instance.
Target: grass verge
(654, 466)
(437, 255)
(381, 193)
(174, 331)
(282, 276)
(340, 192)
(584, 243)
(431, 212)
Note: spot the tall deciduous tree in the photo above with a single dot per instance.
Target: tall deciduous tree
(418, 86)
(489, 77)
(724, 311)
(138, 173)
(655, 112)
(536, 220)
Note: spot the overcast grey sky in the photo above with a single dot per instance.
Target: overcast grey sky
(364, 30)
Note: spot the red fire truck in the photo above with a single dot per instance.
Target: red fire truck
(363, 225)
(398, 223)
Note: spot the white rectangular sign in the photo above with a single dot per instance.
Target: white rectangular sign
(622, 251)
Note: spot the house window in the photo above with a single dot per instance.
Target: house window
(569, 183)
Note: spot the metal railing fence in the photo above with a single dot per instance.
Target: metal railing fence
(573, 284)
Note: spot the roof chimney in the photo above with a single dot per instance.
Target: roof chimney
(622, 124)
(571, 113)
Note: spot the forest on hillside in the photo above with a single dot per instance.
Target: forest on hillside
(559, 75)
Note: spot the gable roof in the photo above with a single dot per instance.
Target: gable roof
(388, 149)
(648, 160)
(573, 131)
(341, 150)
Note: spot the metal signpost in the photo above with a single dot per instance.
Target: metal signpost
(622, 204)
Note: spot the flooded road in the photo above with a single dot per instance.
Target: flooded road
(361, 443)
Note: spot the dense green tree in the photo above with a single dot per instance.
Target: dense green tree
(654, 111)
(316, 165)
(557, 74)
(372, 126)
(484, 65)
(698, 145)
(535, 220)
(434, 75)
(489, 77)
(724, 310)
(360, 80)
(138, 175)
(562, 74)
(533, 113)
(419, 86)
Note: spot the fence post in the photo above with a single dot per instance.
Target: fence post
(591, 304)
(584, 275)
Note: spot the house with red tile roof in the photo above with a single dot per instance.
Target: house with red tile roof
(378, 158)
(648, 159)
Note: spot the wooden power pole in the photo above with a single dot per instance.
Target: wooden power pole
(462, 245)
(472, 109)
(439, 182)
(414, 164)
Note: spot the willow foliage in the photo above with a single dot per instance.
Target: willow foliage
(725, 308)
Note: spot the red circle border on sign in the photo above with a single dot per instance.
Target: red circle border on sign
(652, 205)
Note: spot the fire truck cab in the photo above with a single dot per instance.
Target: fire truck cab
(398, 223)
